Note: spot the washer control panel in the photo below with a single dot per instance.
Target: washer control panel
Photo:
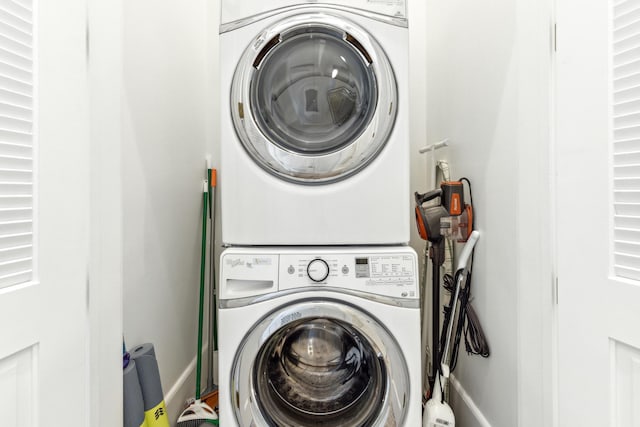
(392, 274)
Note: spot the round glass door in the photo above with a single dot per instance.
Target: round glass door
(313, 99)
(313, 93)
(320, 363)
(319, 372)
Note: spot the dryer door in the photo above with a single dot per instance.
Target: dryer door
(319, 363)
(313, 98)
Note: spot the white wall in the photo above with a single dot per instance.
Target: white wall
(472, 101)
(418, 105)
(488, 82)
(421, 175)
(166, 122)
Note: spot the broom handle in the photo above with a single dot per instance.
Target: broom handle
(203, 257)
(212, 323)
(214, 291)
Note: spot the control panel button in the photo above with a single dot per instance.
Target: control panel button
(318, 270)
(345, 269)
(291, 270)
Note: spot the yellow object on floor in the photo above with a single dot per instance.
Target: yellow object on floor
(157, 416)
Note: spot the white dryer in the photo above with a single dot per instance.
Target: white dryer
(314, 126)
(319, 337)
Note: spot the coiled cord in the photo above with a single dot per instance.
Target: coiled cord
(474, 338)
(475, 341)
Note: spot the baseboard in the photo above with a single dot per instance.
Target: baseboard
(180, 391)
(467, 412)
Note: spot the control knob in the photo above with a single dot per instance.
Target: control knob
(318, 270)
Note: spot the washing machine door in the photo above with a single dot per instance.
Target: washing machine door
(320, 363)
(313, 98)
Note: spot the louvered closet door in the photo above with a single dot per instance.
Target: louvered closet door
(626, 138)
(44, 210)
(16, 144)
(598, 212)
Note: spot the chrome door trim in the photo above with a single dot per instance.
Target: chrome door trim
(398, 383)
(390, 20)
(314, 169)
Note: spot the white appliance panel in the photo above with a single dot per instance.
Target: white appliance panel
(249, 275)
(371, 207)
(402, 321)
(391, 275)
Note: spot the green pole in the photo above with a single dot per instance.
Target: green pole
(203, 256)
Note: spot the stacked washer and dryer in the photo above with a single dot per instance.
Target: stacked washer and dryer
(319, 318)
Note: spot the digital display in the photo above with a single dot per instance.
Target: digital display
(362, 267)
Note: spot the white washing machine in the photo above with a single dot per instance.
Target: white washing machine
(314, 127)
(319, 337)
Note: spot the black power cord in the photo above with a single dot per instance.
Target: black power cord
(475, 341)
(474, 338)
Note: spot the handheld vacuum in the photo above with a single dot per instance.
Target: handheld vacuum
(452, 218)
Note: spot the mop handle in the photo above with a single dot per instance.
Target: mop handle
(212, 323)
(213, 182)
(203, 256)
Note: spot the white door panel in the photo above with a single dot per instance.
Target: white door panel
(598, 222)
(43, 322)
(16, 388)
(625, 371)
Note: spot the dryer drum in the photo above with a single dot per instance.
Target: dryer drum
(319, 372)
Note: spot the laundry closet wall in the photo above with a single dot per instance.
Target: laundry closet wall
(168, 120)
(489, 85)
